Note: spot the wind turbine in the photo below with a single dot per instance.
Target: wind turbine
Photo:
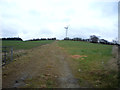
(66, 30)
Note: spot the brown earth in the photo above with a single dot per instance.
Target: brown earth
(112, 63)
(45, 66)
(78, 56)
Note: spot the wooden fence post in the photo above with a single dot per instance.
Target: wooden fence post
(5, 54)
(11, 53)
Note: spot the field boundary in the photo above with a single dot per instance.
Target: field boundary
(7, 54)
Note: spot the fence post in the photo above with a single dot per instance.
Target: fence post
(5, 54)
(11, 53)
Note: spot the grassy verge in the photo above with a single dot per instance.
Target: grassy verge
(19, 47)
(25, 44)
(90, 70)
(41, 81)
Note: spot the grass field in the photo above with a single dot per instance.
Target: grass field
(20, 47)
(17, 45)
(90, 68)
(93, 67)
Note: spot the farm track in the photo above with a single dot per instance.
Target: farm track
(112, 63)
(40, 65)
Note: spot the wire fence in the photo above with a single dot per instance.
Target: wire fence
(7, 54)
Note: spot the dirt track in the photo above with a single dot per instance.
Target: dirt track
(112, 63)
(44, 66)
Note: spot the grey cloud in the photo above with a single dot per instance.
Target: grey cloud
(34, 22)
(85, 32)
(8, 32)
(45, 31)
(107, 8)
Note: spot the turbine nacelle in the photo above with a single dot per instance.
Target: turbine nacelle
(66, 27)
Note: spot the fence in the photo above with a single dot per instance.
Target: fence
(7, 54)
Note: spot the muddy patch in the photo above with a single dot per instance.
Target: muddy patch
(61, 48)
(20, 82)
(78, 56)
(66, 79)
(68, 82)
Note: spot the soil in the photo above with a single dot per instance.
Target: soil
(112, 63)
(44, 66)
(78, 56)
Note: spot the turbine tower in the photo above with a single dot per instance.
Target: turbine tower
(66, 30)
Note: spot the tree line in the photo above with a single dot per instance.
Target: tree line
(19, 39)
(42, 39)
(13, 39)
(94, 39)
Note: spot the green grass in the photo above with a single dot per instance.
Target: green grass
(21, 45)
(92, 69)
(25, 44)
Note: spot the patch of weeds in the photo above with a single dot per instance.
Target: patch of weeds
(41, 81)
(104, 78)
(84, 83)
(82, 50)
(42, 76)
(33, 83)
(94, 51)
(49, 83)
(19, 55)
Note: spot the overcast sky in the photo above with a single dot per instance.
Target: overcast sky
(47, 18)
